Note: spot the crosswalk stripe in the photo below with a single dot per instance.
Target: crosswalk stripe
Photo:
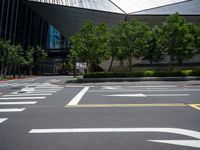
(13, 95)
(18, 103)
(3, 119)
(37, 92)
(6, 84)
(19, 84)
(8, 98)
(12, 109)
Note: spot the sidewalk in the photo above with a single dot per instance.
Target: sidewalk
(133, 79)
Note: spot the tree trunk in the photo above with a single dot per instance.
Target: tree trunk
(14, 71)
(5, 71)
(74, 69)
(130, 65)
(111, 63)
(2, 69)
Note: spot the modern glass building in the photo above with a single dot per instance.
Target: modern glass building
(21, 25)
(68, 15)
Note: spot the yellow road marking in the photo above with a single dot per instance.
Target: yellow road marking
(196, 106)
(126, 105)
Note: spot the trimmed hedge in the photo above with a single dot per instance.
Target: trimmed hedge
(148, 73)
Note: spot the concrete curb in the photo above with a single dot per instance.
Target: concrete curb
(134, 79)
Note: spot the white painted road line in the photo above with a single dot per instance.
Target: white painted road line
(78, 97)
(190, 133)
(185, 132)
(3, 119)
(5, 84)
(28, 93)
(39, 92)
(12, 109)
(110, 87)
(175, 95)
(151, 90)
(128, 95)
(48, 87)
(146, 95)
(76, 86)
(18, 103)
(8, 98)
(154, 86)
(19, 94)
(19, 84)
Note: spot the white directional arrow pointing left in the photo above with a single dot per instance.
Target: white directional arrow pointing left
(190, 143)
(185, 132)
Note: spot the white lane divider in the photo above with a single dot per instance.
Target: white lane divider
(12, 109)
(10, 98)
(18, 103)
(3, 119)
(78, 97)
(146, 95)
(185, 132)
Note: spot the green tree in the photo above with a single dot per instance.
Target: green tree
(195, 31)
(114, 45)
(177, 41)
(16, 59)
(90, 44)
(5, 56)
(29, 59)
(74, 53)
(154, 51)
(41, 56)
(133, 40)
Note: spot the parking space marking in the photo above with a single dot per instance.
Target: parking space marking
(78, 97)
(195, 106)
(3, 119)
(126, 105)
(12, 109)
(18, 103)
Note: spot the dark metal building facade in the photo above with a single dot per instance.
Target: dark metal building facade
(21, 25)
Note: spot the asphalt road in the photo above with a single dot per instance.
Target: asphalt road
(44, 113)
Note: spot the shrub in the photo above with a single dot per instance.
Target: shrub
(148, 73)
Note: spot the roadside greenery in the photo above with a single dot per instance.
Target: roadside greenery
(147, 73)
(14, 60)
(175, 39)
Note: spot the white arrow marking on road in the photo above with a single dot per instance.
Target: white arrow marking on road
(3, 119)
(190, 133)
(145, 95)
(190, 143)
